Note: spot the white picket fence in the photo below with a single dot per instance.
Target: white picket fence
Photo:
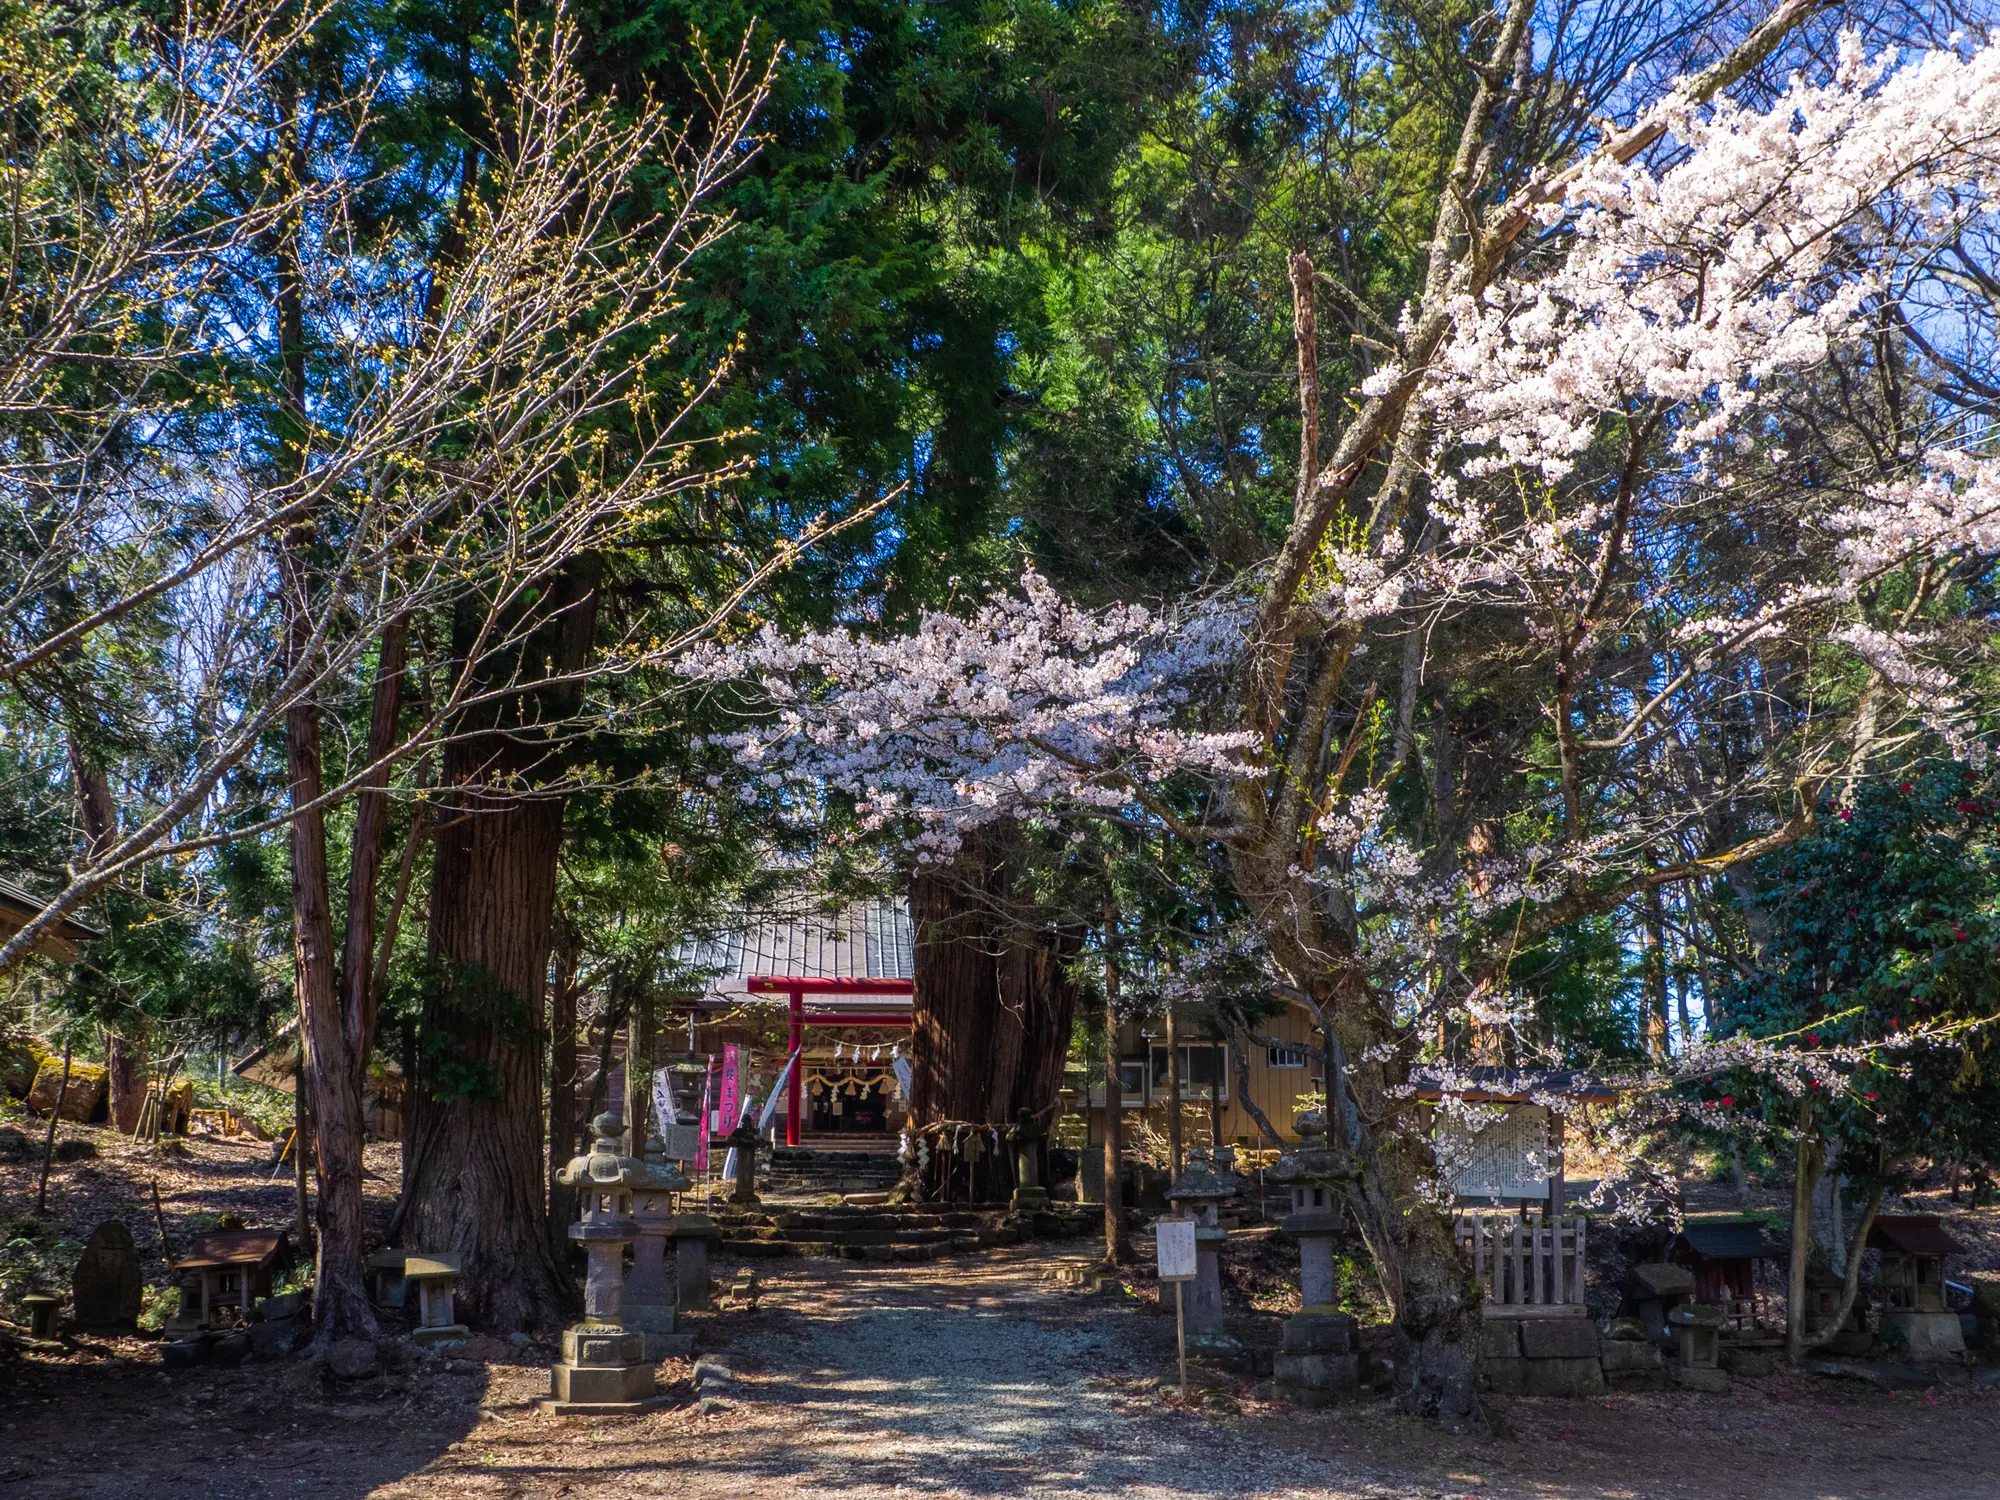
(1524, 1265)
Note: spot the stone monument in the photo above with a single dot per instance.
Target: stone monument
(743, 1141)
(649, 1300)
(693, 1235)
(1698, 1329)
(432, 1278)
(1197, 1192)
(105, 1288)
(1319, 1354)
(1026, 1139)
(603, 1369)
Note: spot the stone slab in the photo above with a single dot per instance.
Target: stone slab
(1558, 1338)
(1319, 1333)
(549, 1406)
(618, 1386)
(1564, 1377)
(1506, 1377)
(1622, 1355)
(1661, 1279)
(1924, 1336)
(1318, 1372)
(448, 1333)
(1500, 1338)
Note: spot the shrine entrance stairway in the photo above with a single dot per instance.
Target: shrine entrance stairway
(812, 1172)
(916, 1232)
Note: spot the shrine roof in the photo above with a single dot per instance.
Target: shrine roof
(234, 1247)
(1509, 1085)
(1731, 1239)
(1912, 1234)
(861, 941)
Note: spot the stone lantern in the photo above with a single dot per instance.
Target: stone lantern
(433, 1278)
(649, 1300)
(1319, 1353)
(1196, 1193)
(604, 1366)
(1026, 1138)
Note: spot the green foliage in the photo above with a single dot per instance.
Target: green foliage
(1886, 919)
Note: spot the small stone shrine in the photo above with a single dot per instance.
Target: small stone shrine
(222, 1277)
(1319, 1354)
(1199, 1192)
(1026, 1139)
(1698, 1331)
(649, 1300)
(42, 1310)
(433, 1278)
(603, 1369)
(382, 1273)
(1915, 1316)
(105, 1287)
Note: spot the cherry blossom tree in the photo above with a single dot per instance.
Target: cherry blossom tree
(1683, 442)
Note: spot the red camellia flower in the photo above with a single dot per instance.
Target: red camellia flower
(1959, 933)
(1845, 815)
(1905, 787)
(1872, 1096)
(1727, 1100)
(1812, 1038)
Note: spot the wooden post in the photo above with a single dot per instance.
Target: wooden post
(49, 1145)
(1556, 1167)
(1173, 1093)
(1180, 1330)
(795, 1085)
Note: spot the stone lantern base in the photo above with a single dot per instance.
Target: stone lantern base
(1028, 1200)
(445, 1333)
(603, 1372)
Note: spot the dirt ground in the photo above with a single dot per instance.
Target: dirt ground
(970, 1378)
(977, 1377)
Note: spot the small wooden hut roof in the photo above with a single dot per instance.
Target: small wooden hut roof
(63, 940)
(1912, 1234)
(1730, 1239)
(236, 1247)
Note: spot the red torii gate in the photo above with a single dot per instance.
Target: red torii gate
(797, 988)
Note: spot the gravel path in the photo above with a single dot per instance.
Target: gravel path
(966, 1378)
(978, 1380)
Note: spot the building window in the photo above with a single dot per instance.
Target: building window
(1285, 1057)
(1204, 1073)
(1132, 1081)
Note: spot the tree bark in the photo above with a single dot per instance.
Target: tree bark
(125, 1076)
(1117, 1244)
(474, 1184)
(1809, 1160)
(562, 1088)
(993, 1005)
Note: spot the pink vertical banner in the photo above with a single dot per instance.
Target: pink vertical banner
(701, 1121)
(732, 1086)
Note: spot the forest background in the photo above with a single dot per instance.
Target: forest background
(368, 475)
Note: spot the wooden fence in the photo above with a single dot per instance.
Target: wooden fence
(1525, 1265)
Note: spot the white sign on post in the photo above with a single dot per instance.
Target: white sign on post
(1174, 1247)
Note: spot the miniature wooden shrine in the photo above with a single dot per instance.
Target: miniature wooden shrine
(224, 1274)
(1735, 1266)
(1914, 1311)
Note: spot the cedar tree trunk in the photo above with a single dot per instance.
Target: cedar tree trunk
(474, 1183)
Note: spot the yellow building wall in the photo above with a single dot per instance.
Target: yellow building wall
(1275, 1091)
